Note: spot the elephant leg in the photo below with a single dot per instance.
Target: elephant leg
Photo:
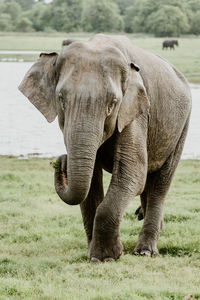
(157, 187)
(141, 210)
(128, 180)
(94, 198)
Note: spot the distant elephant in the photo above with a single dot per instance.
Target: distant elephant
(175, 42)
(169, 44)
(121, 109)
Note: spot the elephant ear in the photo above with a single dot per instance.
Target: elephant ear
(135, 100)
(39, 85)
(68, 42)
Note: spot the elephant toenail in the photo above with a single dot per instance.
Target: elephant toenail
(145, 253)
(154, 254)
(108, 259)
(94, 260)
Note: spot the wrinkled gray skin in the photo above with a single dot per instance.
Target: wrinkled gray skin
(113, 116)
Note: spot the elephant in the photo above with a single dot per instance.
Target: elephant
(175, 42)
(121, 109)
(170, 44)
(67, 42)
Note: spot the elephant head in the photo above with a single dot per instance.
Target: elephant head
(93, 91)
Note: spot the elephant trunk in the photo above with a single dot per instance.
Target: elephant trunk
(74, 171)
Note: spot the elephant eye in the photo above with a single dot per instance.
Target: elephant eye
(61, 100)
(111, 106)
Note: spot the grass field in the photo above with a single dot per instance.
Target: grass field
(185, 57)
(43, 252)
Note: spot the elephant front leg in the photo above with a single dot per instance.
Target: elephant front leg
(94, 198)
(106, 245)
(128, 180)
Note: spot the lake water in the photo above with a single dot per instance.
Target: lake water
(19, 52)
(24, 131)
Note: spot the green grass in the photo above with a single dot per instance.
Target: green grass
(185, 57)
(43, 252)
(37, 41)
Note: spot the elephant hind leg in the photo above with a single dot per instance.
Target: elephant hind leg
(141, 210)
(157, 186)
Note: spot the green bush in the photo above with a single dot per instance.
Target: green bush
(25, 25)
(6, 22)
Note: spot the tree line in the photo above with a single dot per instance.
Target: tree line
(158, 17)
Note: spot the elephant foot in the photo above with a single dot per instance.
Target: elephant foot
(94, 260)
(105, 252)
(146, 248)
